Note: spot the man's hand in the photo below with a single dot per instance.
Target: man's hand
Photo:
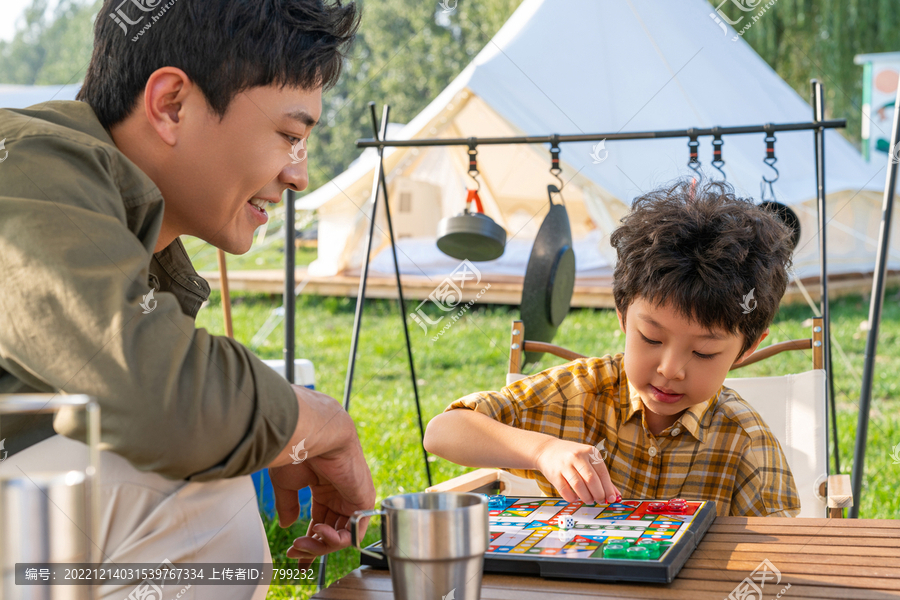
(568, 466)
(340, 482)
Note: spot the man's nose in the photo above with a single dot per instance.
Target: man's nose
(295, 176)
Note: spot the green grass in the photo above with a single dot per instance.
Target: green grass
(472, 356)
(269, 255)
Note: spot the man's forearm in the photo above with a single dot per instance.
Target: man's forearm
(322, 428)
(472, 439)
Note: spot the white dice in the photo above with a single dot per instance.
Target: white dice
(565, 522)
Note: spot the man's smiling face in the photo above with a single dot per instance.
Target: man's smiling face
(247, 156)
(209, 170)
(673, 362)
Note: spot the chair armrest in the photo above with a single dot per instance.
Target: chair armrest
(468, 482)
(840, 495)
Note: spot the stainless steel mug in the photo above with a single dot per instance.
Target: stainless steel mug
(43, 519)
(434, 543)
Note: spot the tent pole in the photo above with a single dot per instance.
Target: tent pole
(387, 212)
(875, 306)
(289, 275)
(818, 103)
(357, 317)
(364, 276)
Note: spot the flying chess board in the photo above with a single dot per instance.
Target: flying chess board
(629, 540)
(525, 536)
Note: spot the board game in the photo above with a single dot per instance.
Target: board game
(629, 540)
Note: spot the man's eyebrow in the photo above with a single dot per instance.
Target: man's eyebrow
(302, 116)
(652, 321)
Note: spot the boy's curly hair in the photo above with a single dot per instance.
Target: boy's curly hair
(702, 251)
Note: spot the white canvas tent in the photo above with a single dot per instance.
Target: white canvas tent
(583, 66)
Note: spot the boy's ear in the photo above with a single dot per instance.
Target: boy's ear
(621, 320)
(752, 348)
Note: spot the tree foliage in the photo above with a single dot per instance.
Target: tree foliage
(817, 39)
(407, 51)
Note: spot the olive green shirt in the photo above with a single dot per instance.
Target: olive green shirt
(78, 225)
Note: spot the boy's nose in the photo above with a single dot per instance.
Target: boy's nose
(671, 368)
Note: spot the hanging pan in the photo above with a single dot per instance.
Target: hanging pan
(549, 278)
(471, 235)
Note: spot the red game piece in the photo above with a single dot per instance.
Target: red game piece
(656, 507)
(677, 505)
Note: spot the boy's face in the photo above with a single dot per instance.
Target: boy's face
(674, 363)
(207, 170)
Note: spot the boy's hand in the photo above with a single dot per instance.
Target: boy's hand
(568, 466)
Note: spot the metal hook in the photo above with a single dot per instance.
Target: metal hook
(694, 161)
(770, 161)
(473, 163)
(555, 169)
(717, 161)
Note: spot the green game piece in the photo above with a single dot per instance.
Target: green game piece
(638, 552)
(652, 547)
(614, 550)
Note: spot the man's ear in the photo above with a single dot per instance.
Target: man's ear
(164, 101)
(752, 348)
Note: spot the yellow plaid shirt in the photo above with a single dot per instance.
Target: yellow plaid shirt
(717, 450)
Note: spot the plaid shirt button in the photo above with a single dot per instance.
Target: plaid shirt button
(652, 451)
(675, 431)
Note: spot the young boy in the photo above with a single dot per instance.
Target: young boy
(654, 421)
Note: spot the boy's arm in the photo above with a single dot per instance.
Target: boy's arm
(764, 484)
(470, 438)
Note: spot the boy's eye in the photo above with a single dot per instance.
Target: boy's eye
(649, 341)
(654, 343)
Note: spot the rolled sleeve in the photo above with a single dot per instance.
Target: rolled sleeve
(500, 406)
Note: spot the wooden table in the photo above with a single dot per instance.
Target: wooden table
(853, 559)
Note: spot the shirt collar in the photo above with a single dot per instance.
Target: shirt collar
(693, 420)
(173, 272)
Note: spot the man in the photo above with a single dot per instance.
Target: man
(192, 118)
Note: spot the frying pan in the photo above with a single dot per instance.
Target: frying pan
(549, 278)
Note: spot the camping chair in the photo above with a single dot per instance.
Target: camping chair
(792, 405)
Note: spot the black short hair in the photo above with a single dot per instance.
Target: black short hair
(224, 46)
(702, 250)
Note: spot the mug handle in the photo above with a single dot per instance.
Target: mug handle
(354, 530)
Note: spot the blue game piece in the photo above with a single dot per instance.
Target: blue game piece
(496, 500)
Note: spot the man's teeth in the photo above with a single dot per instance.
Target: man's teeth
(260, 204)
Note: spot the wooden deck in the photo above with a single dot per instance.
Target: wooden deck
(593, 292)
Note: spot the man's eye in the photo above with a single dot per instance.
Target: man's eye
(649, 341)
(292, 140)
